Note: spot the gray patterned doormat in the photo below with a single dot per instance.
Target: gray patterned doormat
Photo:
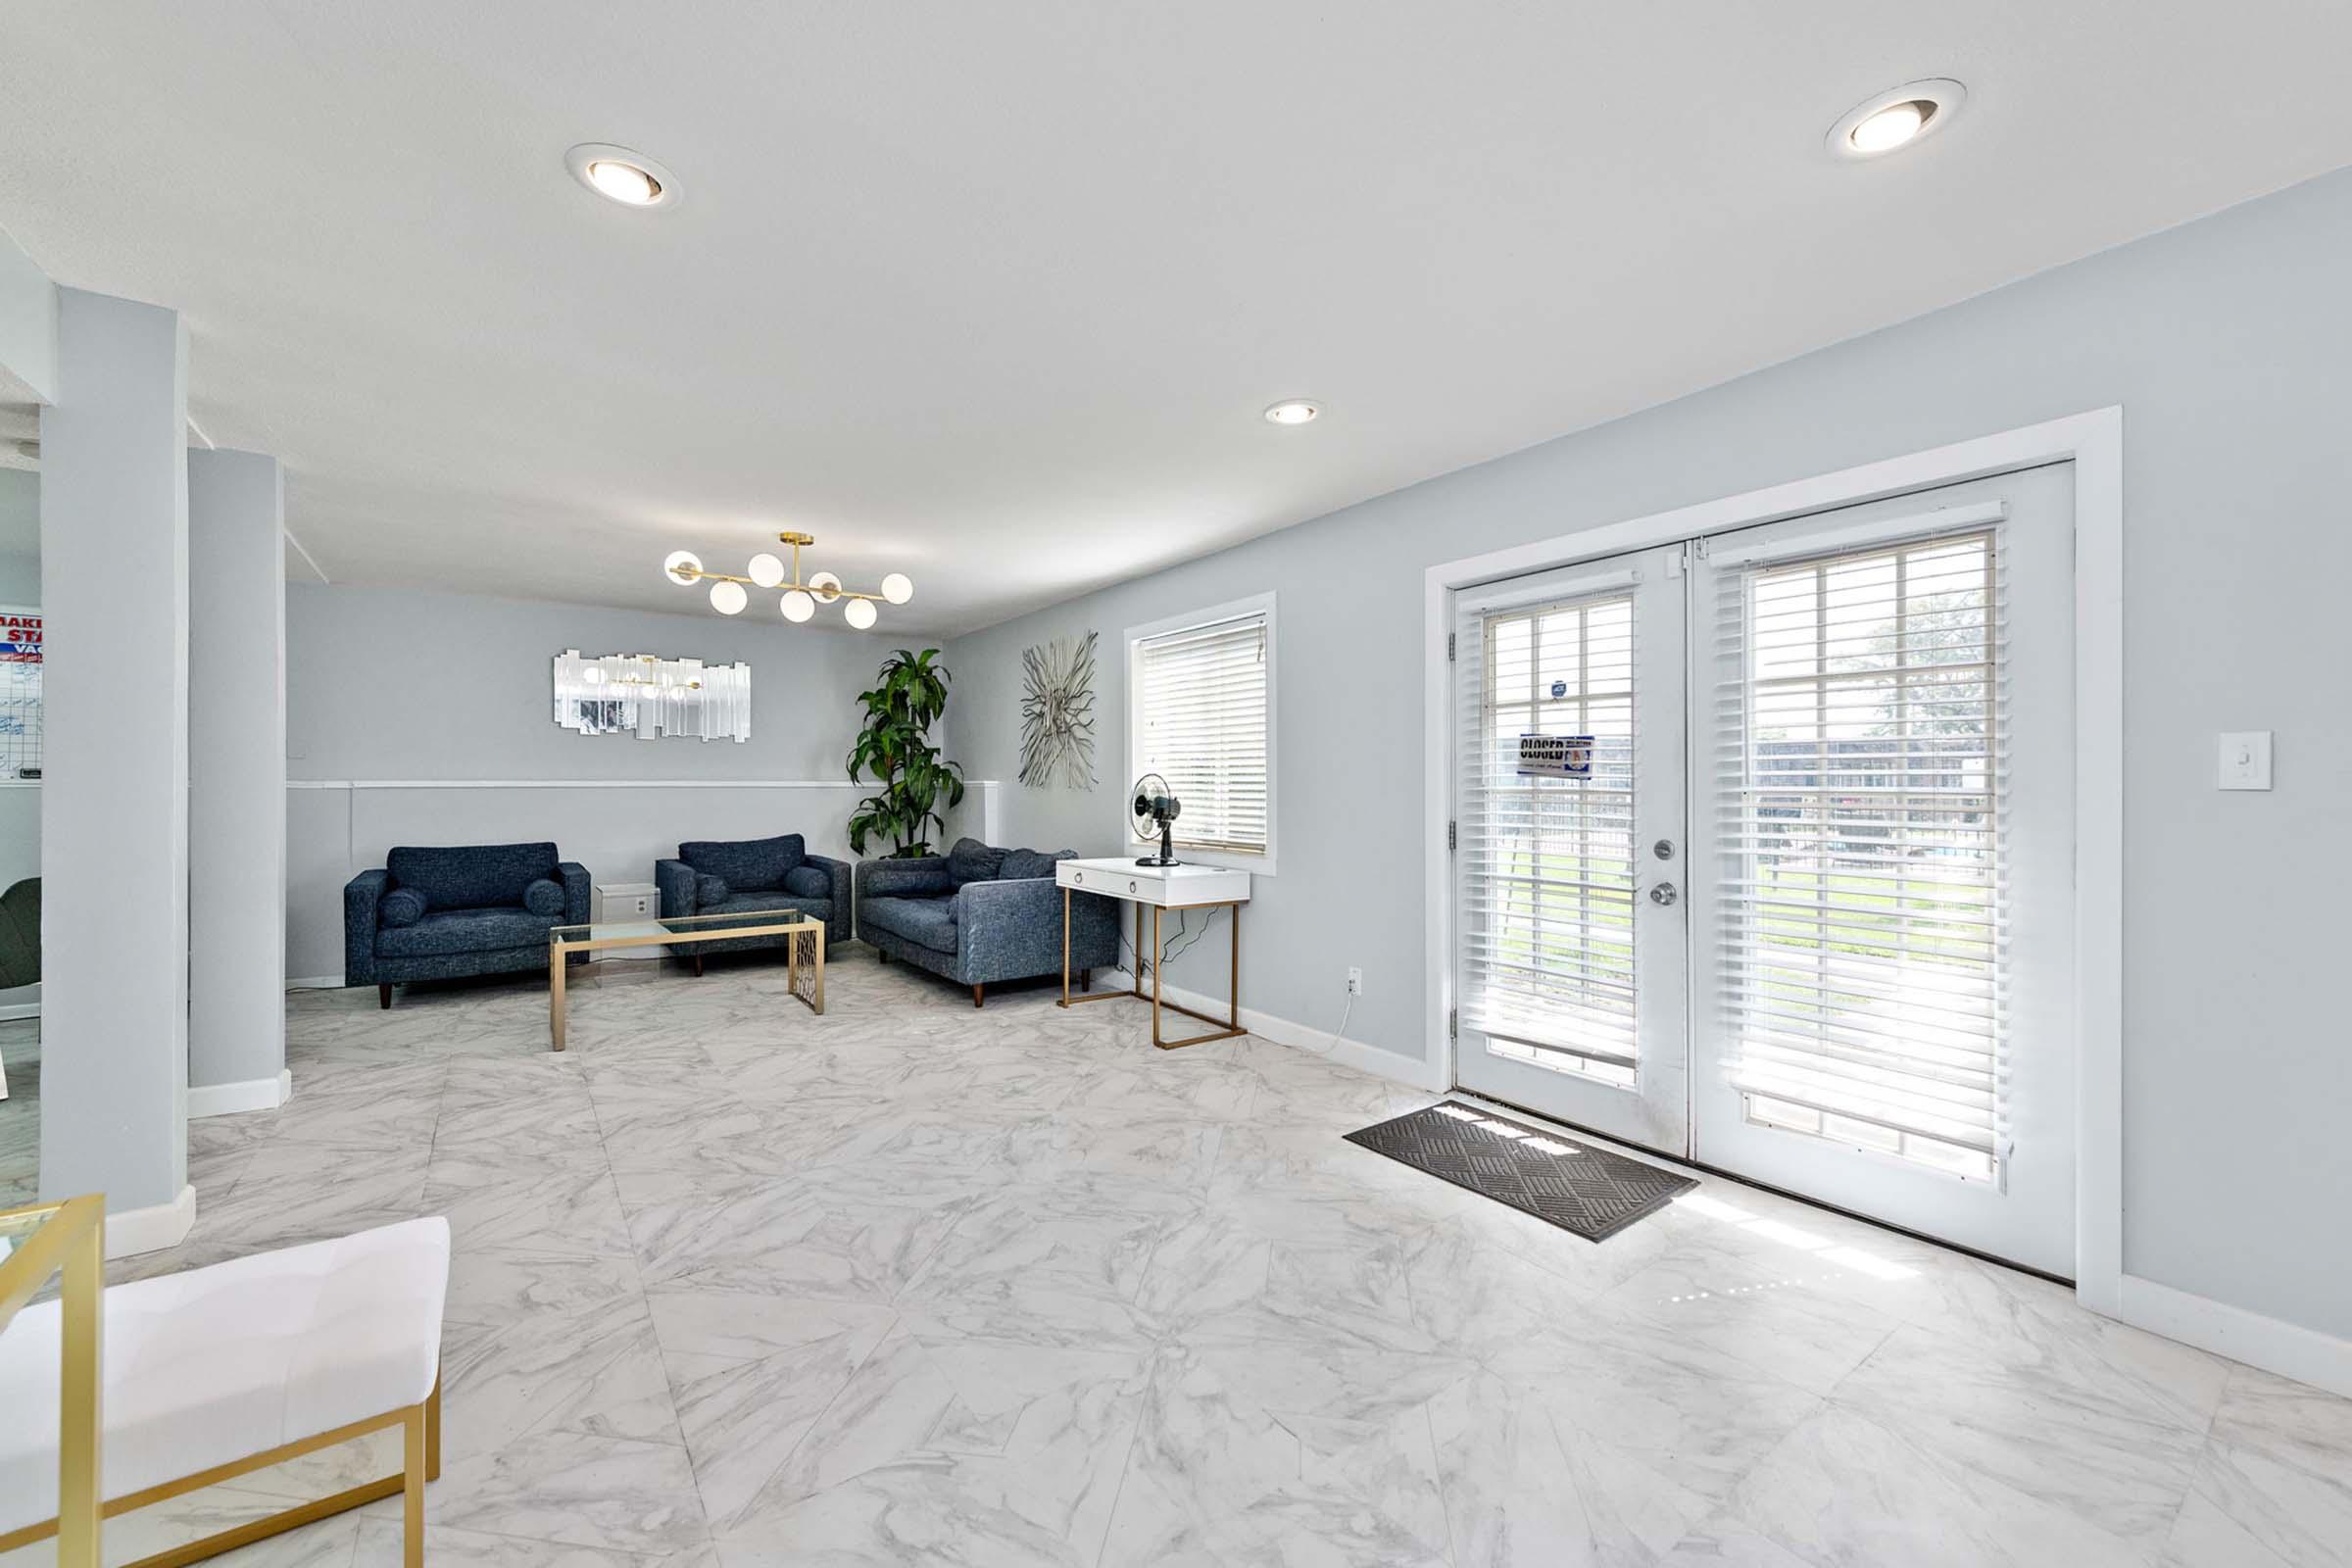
(1560, 1177)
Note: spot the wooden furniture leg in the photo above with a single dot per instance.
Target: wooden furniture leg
(383, 995)
(976, 994)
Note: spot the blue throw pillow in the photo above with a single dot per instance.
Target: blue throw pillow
(971, 861)
(544, 898)
(709, 891)
(808, 882)
(402, 906)
(1025, 865)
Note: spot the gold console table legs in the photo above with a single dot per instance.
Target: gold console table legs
(1230, 1022)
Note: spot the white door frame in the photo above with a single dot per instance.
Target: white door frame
(2093, 442)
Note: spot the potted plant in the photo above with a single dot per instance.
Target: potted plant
(894, 748)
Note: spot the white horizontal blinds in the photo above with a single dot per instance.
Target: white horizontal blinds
(1546, 863)
(1203, 695)
(1860, 765)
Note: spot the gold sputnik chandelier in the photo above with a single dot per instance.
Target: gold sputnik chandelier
(729, 594)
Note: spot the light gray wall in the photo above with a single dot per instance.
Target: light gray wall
(236, 768)
(2227, 342)
(397, 685)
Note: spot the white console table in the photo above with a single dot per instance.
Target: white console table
(1159, 887)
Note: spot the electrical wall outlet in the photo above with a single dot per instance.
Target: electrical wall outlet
(1355, 981)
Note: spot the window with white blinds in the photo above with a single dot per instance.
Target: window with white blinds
(1202, 719)
(1860, 790)
(1546, 863)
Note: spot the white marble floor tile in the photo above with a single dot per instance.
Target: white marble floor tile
(2278, 1470)
(736, 1286)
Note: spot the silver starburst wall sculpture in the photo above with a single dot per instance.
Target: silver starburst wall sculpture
(1057, 713)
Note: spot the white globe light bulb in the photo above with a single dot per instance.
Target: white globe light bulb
(798, 606)
(767, 570)
(860, 614)
(825, 586)
(680, 566)
(728, 597)
(898, 588)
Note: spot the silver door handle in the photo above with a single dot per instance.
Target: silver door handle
(1663, 895)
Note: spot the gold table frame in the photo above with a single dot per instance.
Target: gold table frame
(1233, 973)
(804, 949)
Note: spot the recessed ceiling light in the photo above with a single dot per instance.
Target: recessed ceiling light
(618, 175)
(1896, 118)
(1294, 411)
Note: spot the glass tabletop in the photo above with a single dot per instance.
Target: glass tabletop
(678, 928)
(18, 1225)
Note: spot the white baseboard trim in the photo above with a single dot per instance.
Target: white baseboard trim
(151, 1229)
(253, 1094)
(2304, 1354)
(1282, 1032)
(315, 982)
(19, 1010)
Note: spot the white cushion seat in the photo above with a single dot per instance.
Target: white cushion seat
(219, 1364)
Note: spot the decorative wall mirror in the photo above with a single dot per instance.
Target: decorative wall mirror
(640, 695)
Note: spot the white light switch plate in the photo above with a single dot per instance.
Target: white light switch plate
(2246, 761)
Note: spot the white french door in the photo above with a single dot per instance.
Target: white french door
(1571, 960)
(1845, 969)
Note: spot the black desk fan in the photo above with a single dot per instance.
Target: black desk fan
(1155, 809)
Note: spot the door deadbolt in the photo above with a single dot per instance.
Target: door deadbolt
(1663, 849)
(1663, 895)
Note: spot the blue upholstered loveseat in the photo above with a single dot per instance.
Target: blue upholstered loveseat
(979, 914)
(744, 876)
(441, 913)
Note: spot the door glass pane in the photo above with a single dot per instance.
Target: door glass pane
(1864, 806)
(1549, 872)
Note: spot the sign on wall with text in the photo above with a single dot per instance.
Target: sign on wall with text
(20, 691)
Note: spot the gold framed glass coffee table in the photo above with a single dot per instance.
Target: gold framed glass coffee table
(804, 949)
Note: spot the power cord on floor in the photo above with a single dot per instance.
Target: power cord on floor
(1341, 1033)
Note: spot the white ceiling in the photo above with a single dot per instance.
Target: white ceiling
(993, 294)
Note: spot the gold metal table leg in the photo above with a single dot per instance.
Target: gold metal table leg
(412, 1492)
(82, 1286)
(555, 994)
(1233, 988)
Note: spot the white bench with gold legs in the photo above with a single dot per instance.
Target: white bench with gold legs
(218, 1372)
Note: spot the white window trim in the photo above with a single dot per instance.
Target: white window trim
(2093, 441)
(1232, 609)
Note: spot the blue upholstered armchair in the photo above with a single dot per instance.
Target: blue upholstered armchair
(745, 876)
(440, 913)
(979, 914)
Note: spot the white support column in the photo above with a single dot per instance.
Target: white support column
(115, 817)
(236, 783)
